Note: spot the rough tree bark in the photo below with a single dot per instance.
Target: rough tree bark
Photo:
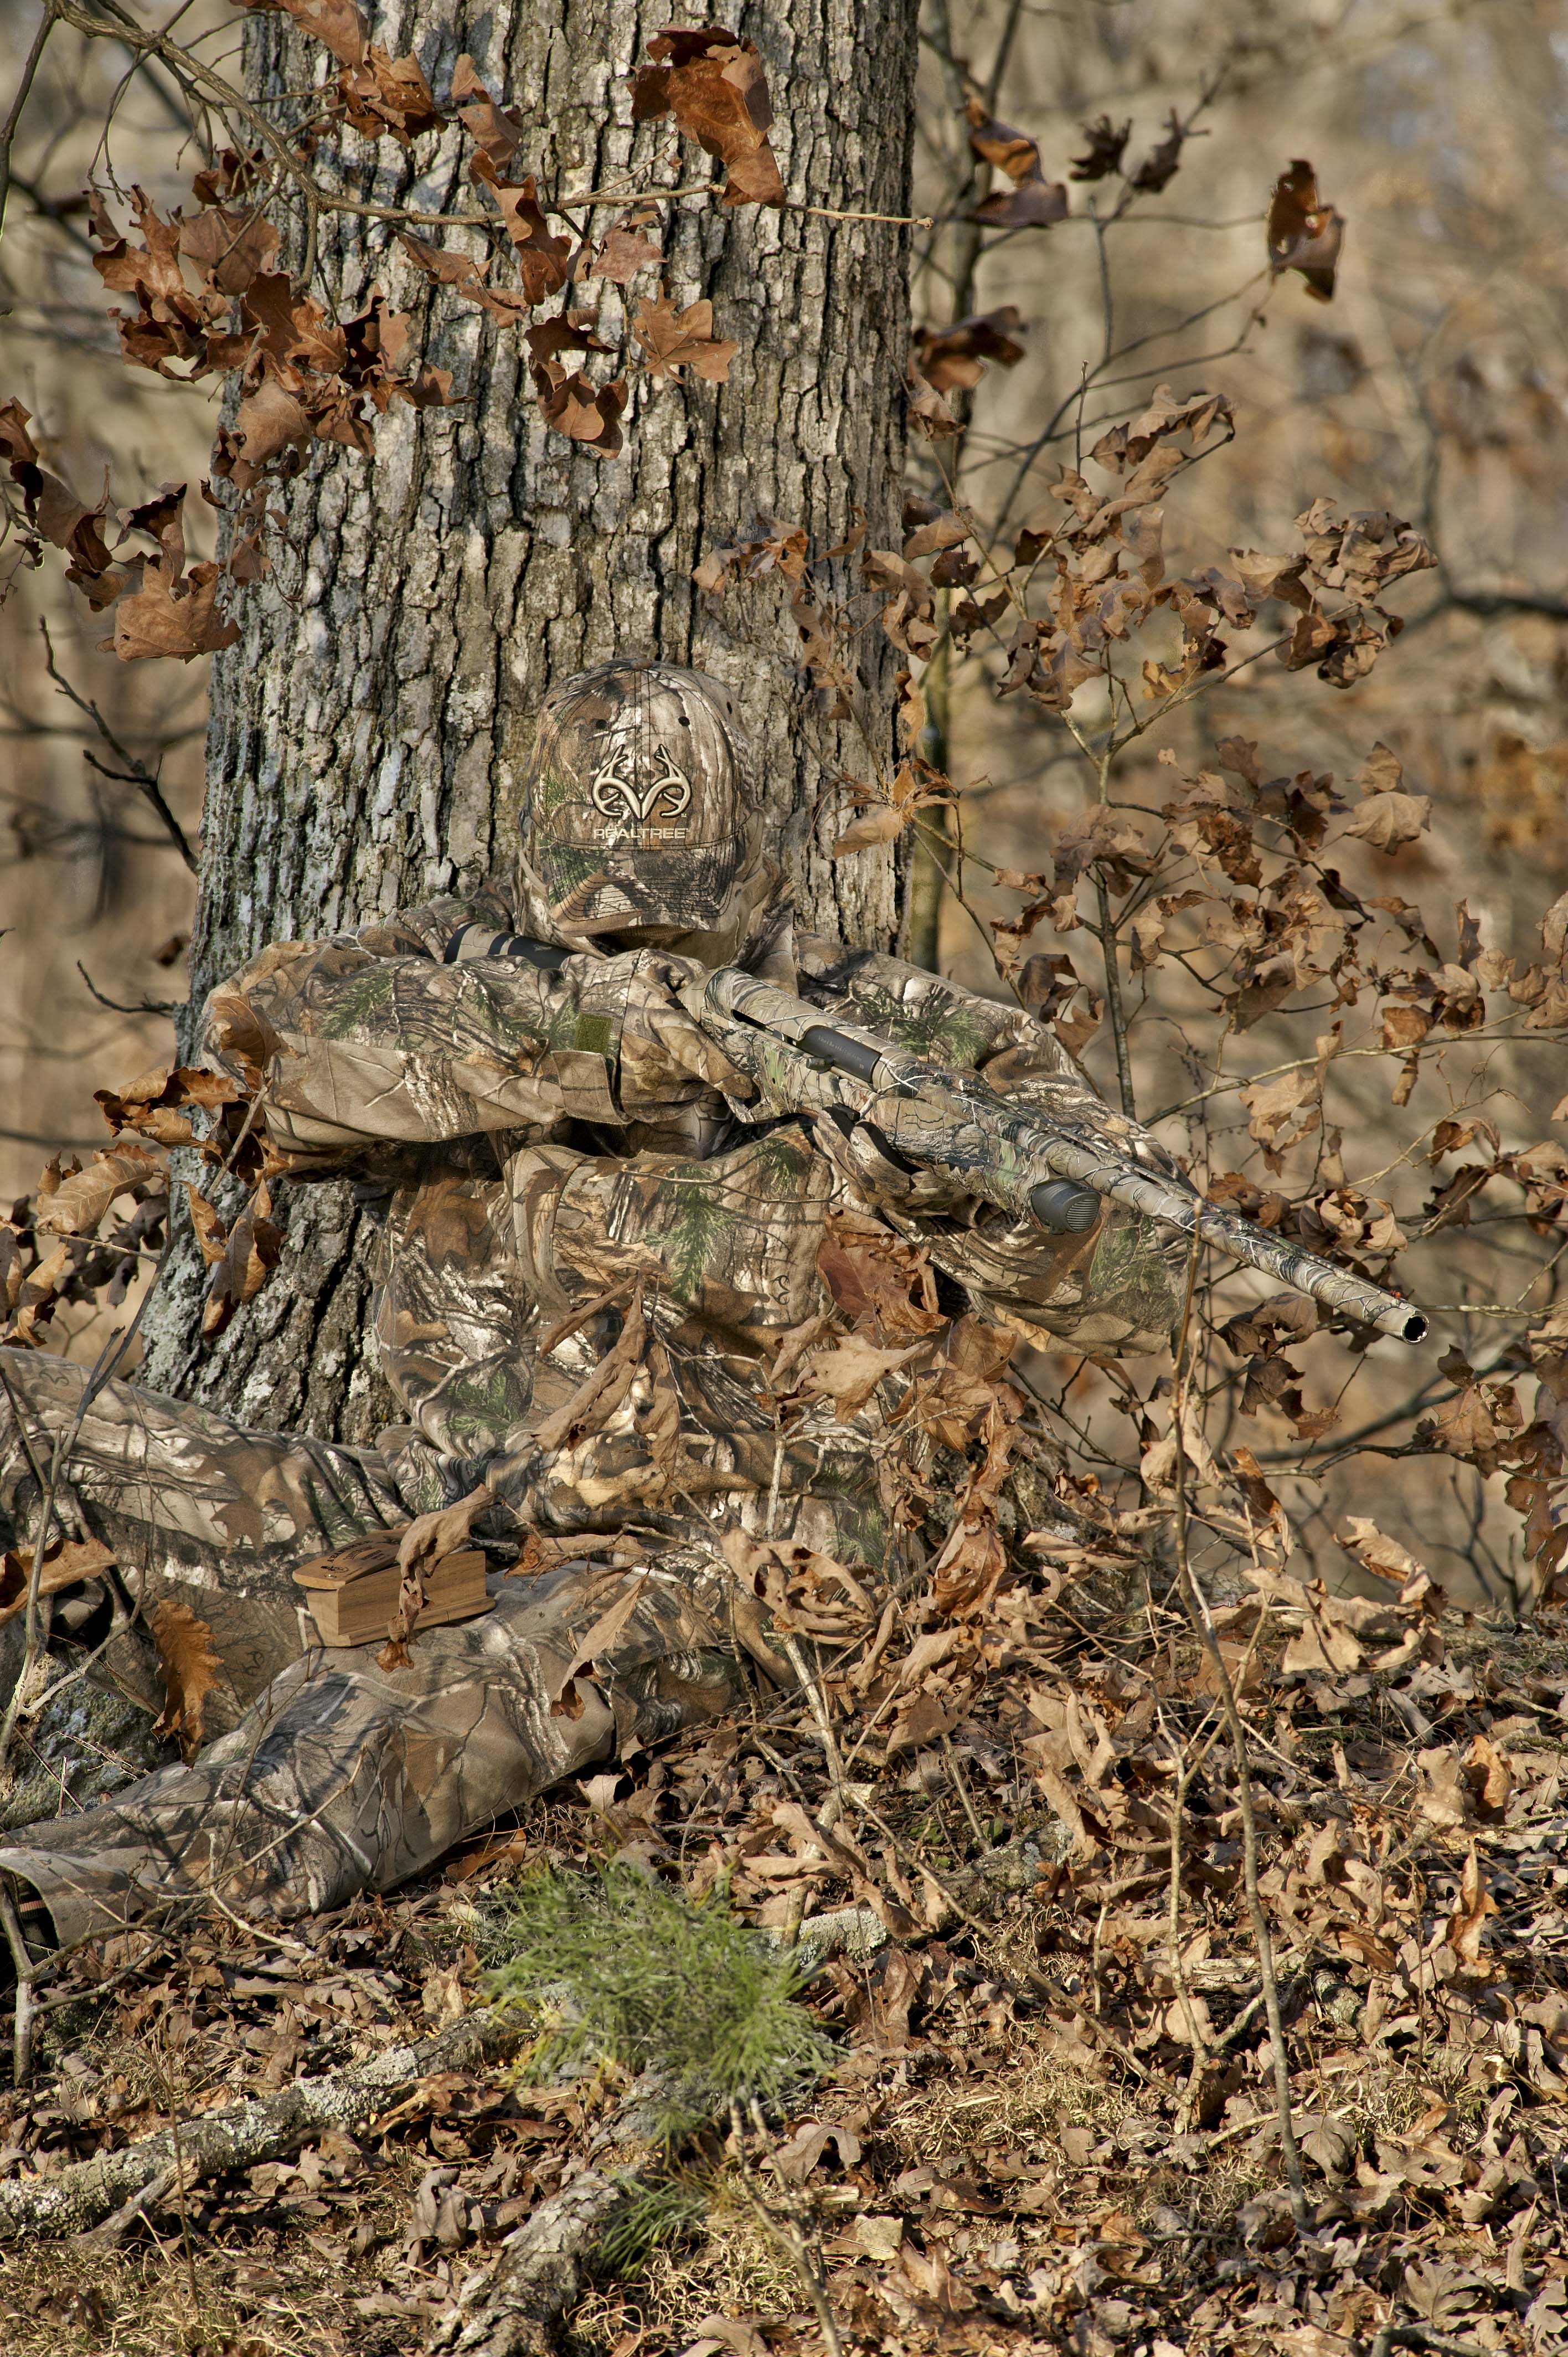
(370, 731)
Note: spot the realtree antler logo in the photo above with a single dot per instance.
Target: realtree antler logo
(617, 794)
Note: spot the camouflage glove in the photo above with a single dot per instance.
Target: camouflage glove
(665, 1058)
(658, 1054)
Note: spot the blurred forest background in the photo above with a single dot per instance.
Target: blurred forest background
(1434, 384)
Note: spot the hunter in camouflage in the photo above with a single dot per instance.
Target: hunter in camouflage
(592, 1260)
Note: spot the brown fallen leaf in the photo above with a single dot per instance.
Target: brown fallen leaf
(240, 1262)
(1107, 142)
(171, 617)
(234, 246)
(1159, 166)
(927, 412)
(1033, 202)
(883, 1285)
(77, 1204)
(154, 1103)
(849, 1373)
(336, 23)
(714, 85)
(625, 249)
(676, 339)
(596, 1641)
(438, 262)
(497, 130)
(569, 331)
(584, 413)
(1305, 233)
(206, 1225)
(1388, 820)
(598, 1397)
(880, 823)
(388, 97)
(427, 1539)
(66, 1563)
(542, 258)
(956, 356)
(235, 1029)
(191, 1669)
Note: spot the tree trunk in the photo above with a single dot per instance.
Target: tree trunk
(370, 732)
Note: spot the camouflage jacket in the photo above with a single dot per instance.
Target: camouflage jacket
(526, 1212)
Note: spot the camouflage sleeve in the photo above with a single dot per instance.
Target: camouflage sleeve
(376, 1039)
(1116, 1289)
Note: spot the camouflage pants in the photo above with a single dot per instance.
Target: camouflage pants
(334, 1776)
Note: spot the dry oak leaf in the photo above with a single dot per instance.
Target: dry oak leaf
(584, 413)
(1033, 202)
(943, 531)
(1107, 141)
(240, 1262)
(568, 331)
(387, 96)
(542, 258)
(191, 1669)
(1273, 1106)
(56, 514)
(880, 823)
(425, 1541)
(625, 249)
(438, 262)
(927, 412)
(714, 85)
(675, 339)
(1377, 1553)
(234, 246)
(154, 1102)
(956, 356)
(77, 1203)
(167, 615)
(1159, 166)
(66, 1561)
(598, 1640)
(496, 129)
(1305, 233)
(1388, 820)
(849, 1373)
(270, 421)
(601, 1392)
(877, 1277)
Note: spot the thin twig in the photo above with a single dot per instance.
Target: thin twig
(777, 2220)
(139, 775)
(26, 2009)
(24, 89)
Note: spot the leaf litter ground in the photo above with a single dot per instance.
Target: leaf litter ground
(1050, 2116)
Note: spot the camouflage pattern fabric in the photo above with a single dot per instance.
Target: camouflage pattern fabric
(592, 1255)
(344, 1777)
(196, 1508)
(496, 1239)
(641, 814)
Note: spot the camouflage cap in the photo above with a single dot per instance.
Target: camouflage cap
(639, 813)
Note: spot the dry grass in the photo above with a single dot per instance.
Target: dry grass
(1036, 2093)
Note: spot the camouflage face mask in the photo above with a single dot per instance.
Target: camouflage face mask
(638, 816)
